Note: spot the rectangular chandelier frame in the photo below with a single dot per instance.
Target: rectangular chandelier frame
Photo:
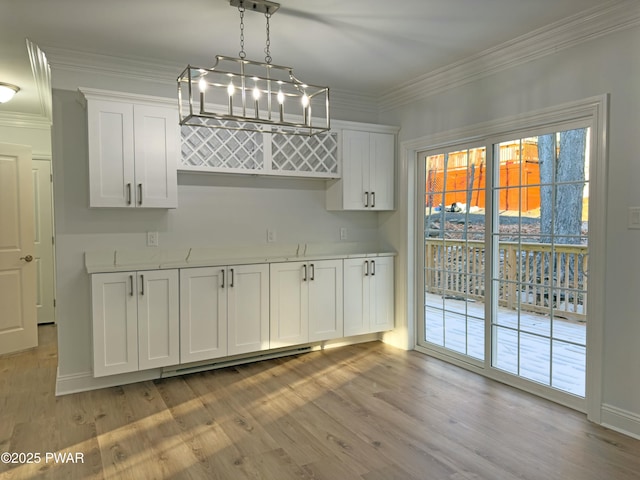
(240, 94)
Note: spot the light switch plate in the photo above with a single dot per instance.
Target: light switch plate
(634, 218)
(271, 235)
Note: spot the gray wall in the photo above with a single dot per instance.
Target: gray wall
(596, 67)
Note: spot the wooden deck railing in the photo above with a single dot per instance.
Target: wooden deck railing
(534, 277)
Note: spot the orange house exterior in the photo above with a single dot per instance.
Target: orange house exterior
(519, 187)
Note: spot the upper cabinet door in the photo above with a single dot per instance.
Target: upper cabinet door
(381, 171)
(156, 156)
(355, 169)
(111, 154)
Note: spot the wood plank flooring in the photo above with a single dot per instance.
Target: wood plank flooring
(366, 412)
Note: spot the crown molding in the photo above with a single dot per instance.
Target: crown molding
(76, 61)
(24, 120)
(591, 24)
(42, 76)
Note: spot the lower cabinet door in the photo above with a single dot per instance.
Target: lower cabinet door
(248, 308)
(203, 313)
(289, 304)
(325, 300)
(356, 296)
(114, 301)
(382, 316)
(158, 319)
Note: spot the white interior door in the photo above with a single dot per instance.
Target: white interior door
(18, 329)
(43, 224)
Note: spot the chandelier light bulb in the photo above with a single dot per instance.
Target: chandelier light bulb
(305, 100)
(281, 104)
(202, 85)
(230, 90)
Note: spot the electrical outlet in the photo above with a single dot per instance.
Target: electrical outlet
(343, 233)
(152, 239)
(271, 235)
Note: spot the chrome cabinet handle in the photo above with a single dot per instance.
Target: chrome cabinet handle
(366, 201)
(373, 199)
(304, 277)
(141, 284)
(232, 276)
(131, 285)
(140, 192)
(128, 194)
(313, 272)
(373, 268)
(366, 268)
(222, 286)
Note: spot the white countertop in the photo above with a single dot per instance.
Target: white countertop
(153, 258)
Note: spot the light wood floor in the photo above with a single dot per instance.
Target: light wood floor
(367, 412)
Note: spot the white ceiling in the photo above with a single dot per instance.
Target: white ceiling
(366, 46)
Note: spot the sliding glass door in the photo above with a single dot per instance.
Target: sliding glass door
(505, 257)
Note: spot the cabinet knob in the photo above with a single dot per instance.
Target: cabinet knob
(27, 258)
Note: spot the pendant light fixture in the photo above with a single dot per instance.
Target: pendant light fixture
(240, 94)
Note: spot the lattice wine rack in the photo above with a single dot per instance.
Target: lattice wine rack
(238, 151)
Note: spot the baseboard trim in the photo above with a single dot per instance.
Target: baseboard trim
(621, 420)
(85, 381)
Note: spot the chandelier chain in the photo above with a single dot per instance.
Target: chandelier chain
(267, 48)
(242, 53)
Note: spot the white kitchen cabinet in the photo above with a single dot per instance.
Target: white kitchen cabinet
(223, 311)
(306, 302)
(135, 321)
(368, 172)
(133, 152)
(368, 295)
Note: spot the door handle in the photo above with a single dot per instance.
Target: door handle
(140, 194)
(27, 258)
(232, 275)
(366, 268)
(313, 272)
(141, 284)
(373, 199)
(128, 194)
(304, 277)
(373, 268)
(366, 201)
(222, 286)
(131, 285)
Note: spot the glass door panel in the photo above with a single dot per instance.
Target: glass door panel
(454, 240)
(541, 194)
